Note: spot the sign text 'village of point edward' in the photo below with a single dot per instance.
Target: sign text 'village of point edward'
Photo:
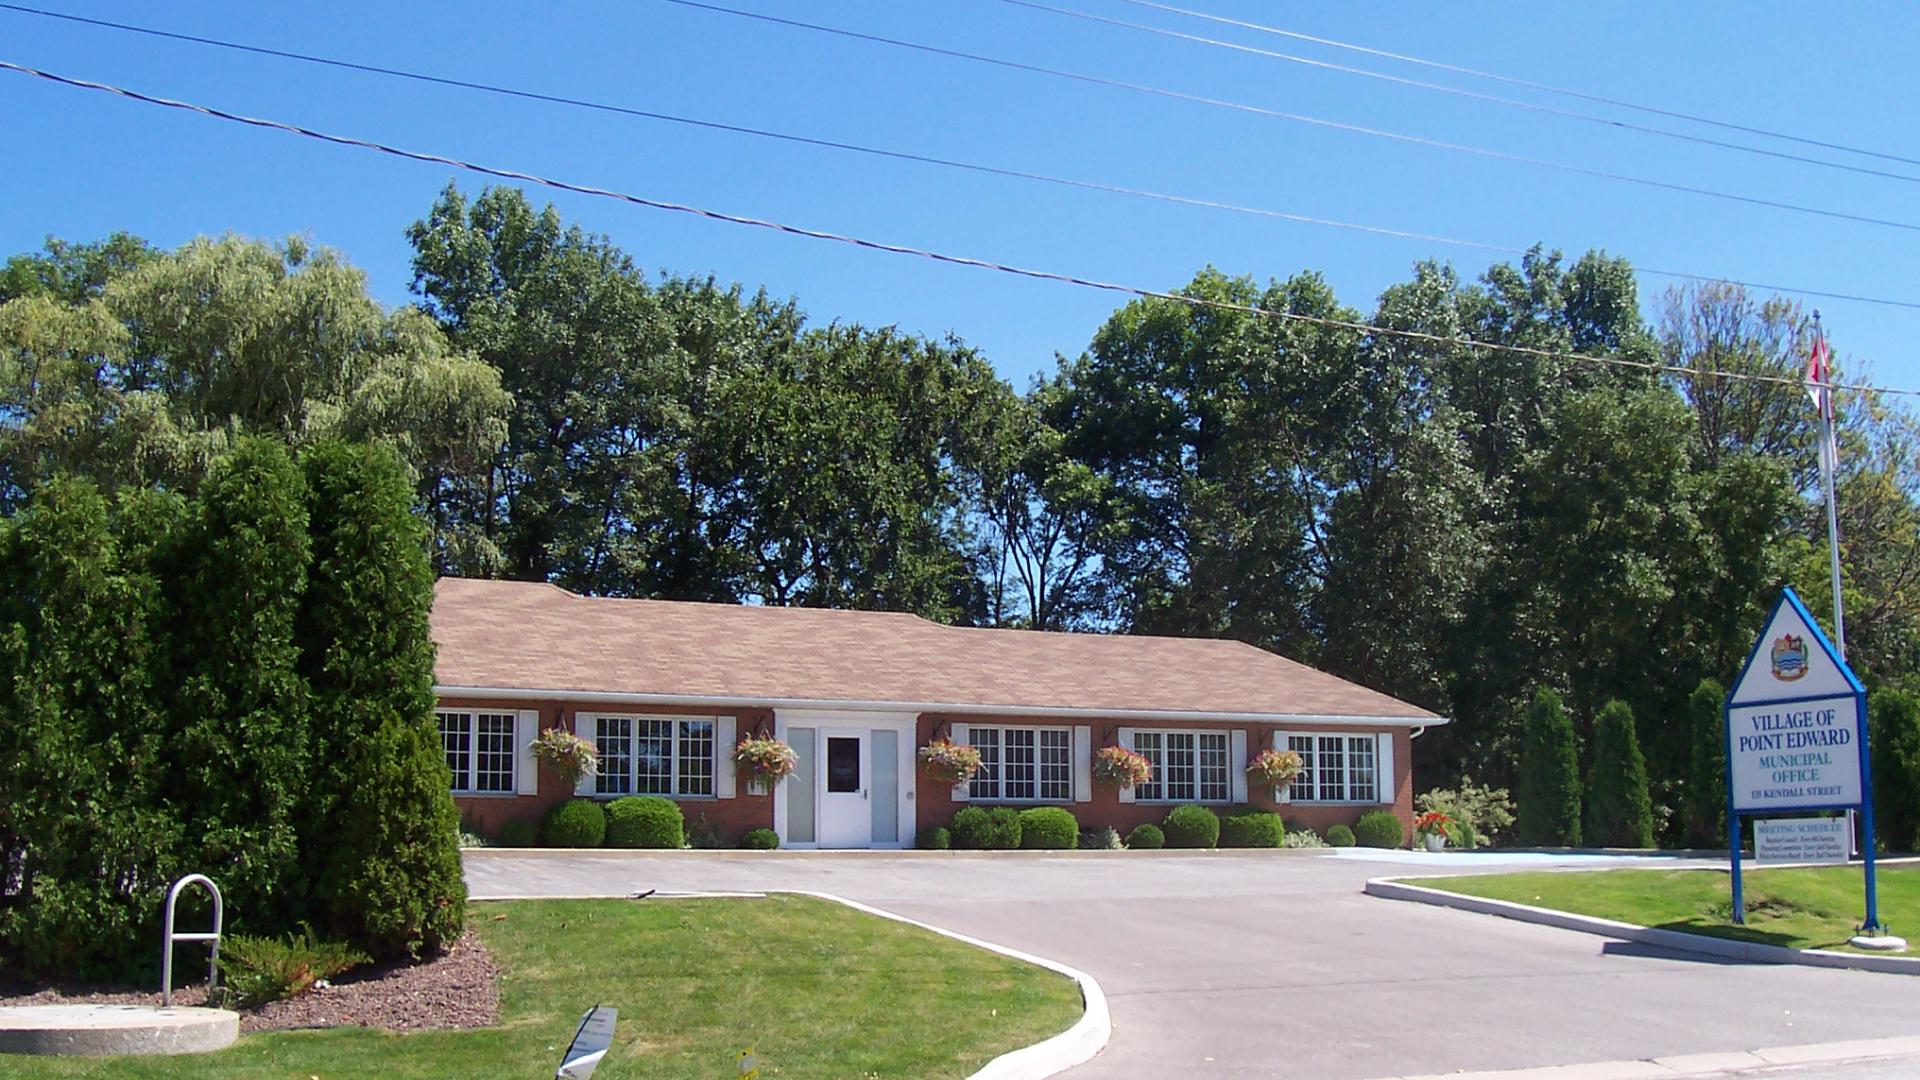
(1796, 721)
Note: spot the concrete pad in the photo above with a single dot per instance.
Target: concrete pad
(95, 1030)
(1711, 1064)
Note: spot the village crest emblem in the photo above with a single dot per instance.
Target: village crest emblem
(1789, 657)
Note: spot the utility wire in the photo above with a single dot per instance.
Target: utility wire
(1527, 83)
(1494, 99)
(936, 256)
(1261, 110)
(901, 155)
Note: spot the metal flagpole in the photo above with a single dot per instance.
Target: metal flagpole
(1829, 467)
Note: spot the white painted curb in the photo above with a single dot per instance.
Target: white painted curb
(1752, 952)
(1071, 1047)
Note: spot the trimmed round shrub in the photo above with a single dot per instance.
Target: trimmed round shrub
(1252, 829)
(1146, 838)
(1003, 828)
(519, 833)
(972, 829)
(1191, 826)
(574, 823)
(1339, 836)
(761, 839)
(1379, 828)
(1048, 827)
(933, 838)
(645, 821)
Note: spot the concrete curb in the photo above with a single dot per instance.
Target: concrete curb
(1077, 1044)
(911, 853)
(1705, 1065)
(1752, 952)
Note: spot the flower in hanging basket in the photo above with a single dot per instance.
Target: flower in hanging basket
(573, 757)
(1273, 768)
(1431, 823)
(1120, 767)
(765, 758)
(949, 762)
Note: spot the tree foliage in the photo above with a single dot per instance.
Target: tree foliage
(1619, 810)
(1548, 796)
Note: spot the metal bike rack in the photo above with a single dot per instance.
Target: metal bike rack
(168, 937)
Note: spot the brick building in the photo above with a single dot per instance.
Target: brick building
(664, 689)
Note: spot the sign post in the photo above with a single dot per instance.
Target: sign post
(1796, 730)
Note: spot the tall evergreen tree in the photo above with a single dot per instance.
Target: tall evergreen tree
(238, 747)
(379, 822)
(1549, 787)
(1706, 797)
(1894, 741)
(1619, 809)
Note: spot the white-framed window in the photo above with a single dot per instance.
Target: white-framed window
(1022, 764)
(1188, 766)
(1335, 768)
(654, 755)
(480, 751)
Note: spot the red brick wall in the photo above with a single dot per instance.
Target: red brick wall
(487, 814)
(936, 805)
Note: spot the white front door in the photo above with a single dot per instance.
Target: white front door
(845, 780)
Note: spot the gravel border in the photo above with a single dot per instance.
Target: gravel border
(457, 989)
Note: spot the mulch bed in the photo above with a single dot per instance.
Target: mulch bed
(459, 989)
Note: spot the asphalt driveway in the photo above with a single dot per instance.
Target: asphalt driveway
(1273, 964)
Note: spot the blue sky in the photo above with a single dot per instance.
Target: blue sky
(83, 164)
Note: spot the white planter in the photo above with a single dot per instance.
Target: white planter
(1436, 841)
(758, 786)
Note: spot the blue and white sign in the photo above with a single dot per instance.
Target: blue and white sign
(1796, 721)
(1797, 740)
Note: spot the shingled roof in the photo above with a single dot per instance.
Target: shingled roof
(506, 636)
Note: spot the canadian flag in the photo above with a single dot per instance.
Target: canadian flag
(1820, 389)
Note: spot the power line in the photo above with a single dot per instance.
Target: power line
(934, 256)
(900, 155)
(1475, 95)
(1527, 83)
(1316, 121)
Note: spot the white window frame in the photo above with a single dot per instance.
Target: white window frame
(1159, 756)
(1313, 775)
(470, 721)
(676, 756)
(999, 763)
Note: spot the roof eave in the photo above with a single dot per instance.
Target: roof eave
(729, 702)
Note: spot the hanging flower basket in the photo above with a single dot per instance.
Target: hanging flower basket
(949, 762)
(1273, 768)
(765, 760)
(1117, 766)
(573, 757)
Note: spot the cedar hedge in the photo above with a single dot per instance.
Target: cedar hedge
(1252, 829)
(1379, 828)
(645, 821)
(1146, 838)
(933, 838)
(1191, 826)
(760, 839)
(1048, 827)
(1339, 836)
(576, 823)
(978, 828)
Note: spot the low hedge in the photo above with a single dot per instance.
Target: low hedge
(645, 821)
(1339, 836)
(1379, 828)
(979, 829)
(760, 839)
(520, 833)
(1191, 826)
(574, 823)
(933, 838)
(1252, 829)
(1146, 838)
(1048, 827)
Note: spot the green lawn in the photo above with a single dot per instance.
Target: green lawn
(815, 988)
(1801, 908)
